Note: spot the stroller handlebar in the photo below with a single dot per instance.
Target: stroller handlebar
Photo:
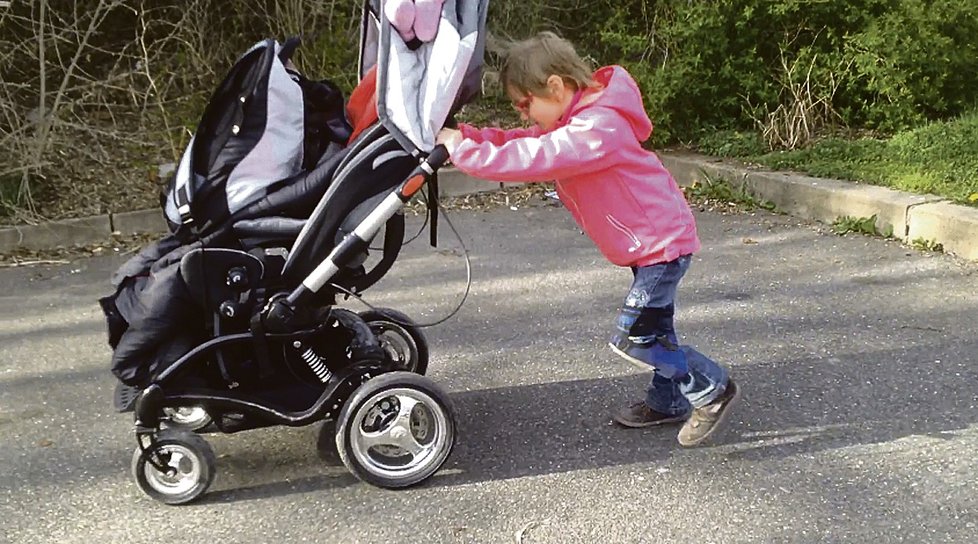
(438, 157)
(423, 173)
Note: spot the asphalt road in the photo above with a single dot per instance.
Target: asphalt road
(858, 359)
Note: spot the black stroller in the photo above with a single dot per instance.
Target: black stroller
(230, 322)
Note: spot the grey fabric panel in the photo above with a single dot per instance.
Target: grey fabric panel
(278, 154)
(182, 179)
(472, 17)
(369, 38)
(269, 226)
(420, 86)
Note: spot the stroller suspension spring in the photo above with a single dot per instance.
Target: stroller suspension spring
(316, 363)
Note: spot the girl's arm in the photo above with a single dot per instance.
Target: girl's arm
(588, 143)
(497, 136)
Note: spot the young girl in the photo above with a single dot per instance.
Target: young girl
(587, 137)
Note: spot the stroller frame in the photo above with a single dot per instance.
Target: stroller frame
(344, 395)
(394, 428)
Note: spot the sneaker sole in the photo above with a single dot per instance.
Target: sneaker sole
(719, 422)
(666, 421)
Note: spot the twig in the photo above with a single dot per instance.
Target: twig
(44, 126)
(32, 263)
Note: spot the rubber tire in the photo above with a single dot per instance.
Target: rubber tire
(395, 322)
(391, 380)
(201, 450)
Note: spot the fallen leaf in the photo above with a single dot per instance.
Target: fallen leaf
(750, 241)
(45, 443)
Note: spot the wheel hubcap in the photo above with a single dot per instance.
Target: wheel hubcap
(185, 470)
(188, 416)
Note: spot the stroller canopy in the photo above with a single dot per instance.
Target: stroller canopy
(267, 123)
(421, 84)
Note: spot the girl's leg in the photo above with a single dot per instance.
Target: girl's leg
(664, 396)
(645, 336)
(706, 379)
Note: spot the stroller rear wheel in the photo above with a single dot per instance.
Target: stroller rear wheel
(188, 462)
(400, 338)
(396, 431)
(188, 418)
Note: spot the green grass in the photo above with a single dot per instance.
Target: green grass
(731, 143)
(940, 158)
(719, 190)
(859, 225)
(923, 244)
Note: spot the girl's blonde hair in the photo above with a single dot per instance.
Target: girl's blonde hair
(528, 63)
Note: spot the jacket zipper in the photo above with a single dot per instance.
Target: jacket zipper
(636, 243)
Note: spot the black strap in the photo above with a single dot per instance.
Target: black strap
(393, 238)
(182, 200)
(433, 209)
(261, 346)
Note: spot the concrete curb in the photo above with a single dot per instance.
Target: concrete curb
(92, 230)
(908, 216)
(58, 233)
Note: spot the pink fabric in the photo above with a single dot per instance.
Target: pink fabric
(618, 192)
(414, 18)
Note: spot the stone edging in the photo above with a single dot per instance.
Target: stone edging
(92, 230)
(910, 216)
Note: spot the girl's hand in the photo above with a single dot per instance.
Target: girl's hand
(450, 138)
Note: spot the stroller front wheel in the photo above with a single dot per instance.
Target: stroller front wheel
(396, 431)
(189, 463)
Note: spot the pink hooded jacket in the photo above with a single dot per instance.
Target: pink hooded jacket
(618, 192)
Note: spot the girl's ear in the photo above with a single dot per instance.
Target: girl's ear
(555, 84)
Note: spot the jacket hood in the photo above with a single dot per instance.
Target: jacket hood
(620, 93)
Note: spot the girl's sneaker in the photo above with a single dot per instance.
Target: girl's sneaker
(639, 415)
(705, 420)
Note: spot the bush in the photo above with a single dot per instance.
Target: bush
(913, 63)
(884, 65)
(130, 78)
(731, 143)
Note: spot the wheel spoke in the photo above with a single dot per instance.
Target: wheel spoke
(397, 432)
(176, 462)
(409, 444)
(377, 438)
(404, 413)
(404, 437)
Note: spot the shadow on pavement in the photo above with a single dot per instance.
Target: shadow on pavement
(559, 427)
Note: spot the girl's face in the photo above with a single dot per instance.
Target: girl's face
(543, 109)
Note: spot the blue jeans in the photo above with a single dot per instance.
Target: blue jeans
(645, 334)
